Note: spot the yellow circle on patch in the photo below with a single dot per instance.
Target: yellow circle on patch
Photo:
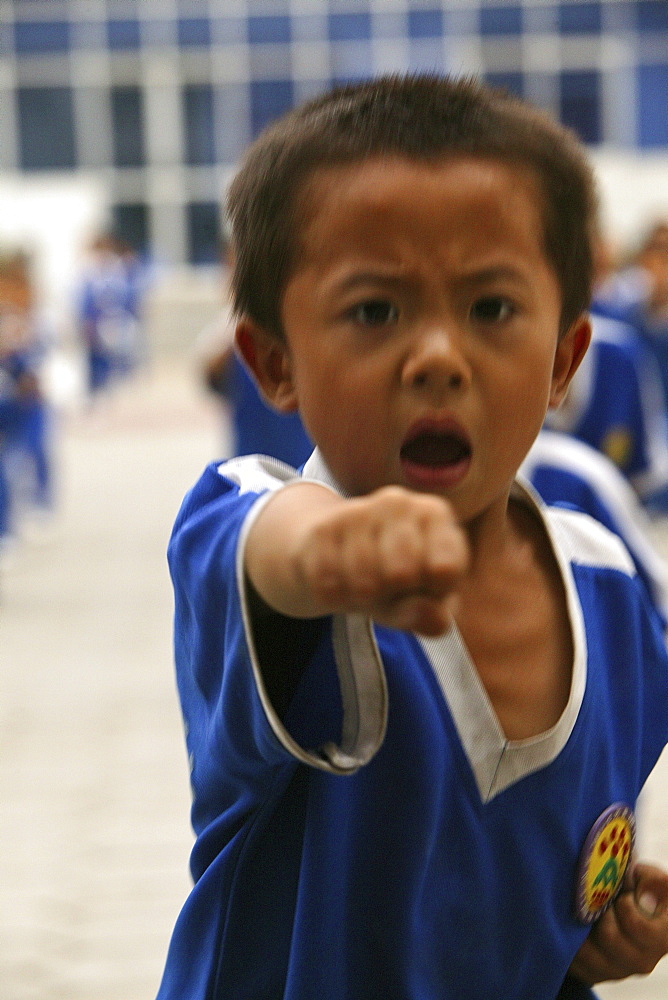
(604, 860)
(617, 445)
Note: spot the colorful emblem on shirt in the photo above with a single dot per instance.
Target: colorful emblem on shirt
(617, 445)
(603, 861)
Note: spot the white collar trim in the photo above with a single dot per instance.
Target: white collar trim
(496, 761)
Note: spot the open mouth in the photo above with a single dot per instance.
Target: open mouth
(436, 449)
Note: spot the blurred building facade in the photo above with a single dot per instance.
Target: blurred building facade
(156, 99)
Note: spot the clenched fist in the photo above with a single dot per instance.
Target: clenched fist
(393, 555)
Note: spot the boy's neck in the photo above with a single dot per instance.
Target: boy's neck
(494, 536)
(513, 618)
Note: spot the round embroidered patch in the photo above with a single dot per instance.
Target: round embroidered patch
(617, 445)
(603, 861)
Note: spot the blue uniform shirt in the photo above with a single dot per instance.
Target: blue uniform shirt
(372, 833)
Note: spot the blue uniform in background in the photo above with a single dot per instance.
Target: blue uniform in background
(615, 403)
(109, 309)
(25, 426)
(257, 429)
(565, 470)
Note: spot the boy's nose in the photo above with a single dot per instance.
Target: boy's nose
(436, 364)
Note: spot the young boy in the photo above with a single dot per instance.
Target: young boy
(419, 706)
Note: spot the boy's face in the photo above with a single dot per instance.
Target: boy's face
(421, 327)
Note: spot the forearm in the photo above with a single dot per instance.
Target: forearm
(274, 547)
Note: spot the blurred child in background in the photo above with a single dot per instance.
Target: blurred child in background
(109, 308)
(256, 428)
(26, 477)
(617, 401)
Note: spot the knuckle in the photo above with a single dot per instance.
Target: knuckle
(401, 569)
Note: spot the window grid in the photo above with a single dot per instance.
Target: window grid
(599, 65)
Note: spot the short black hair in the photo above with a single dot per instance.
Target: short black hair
(416, 117)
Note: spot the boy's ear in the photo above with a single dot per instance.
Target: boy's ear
(571, 349)
(268, 361)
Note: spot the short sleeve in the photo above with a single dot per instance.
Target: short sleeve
(236, 739)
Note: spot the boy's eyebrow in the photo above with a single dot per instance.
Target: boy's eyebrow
(476, 277)
(351, 281)
(495, 273)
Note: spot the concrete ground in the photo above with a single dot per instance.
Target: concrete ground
(93, 778)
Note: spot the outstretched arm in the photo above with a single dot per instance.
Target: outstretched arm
(632, 936)
(393, 555)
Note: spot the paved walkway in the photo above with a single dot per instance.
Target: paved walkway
(93, 777)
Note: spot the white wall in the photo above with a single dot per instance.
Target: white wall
(634, 192)
(52, 217)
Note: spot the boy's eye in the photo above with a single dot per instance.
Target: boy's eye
(375, 312)
(491, 309)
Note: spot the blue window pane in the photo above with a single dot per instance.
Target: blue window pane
(512, 82)
(425, 23)
(127, 118)
(41, 36)
(123, 34)
(194, 31)
(580, 104)
(349, 27)
(203, 228)
(198, 114)
(269, 29)
(130, 225)
(653, 105)
(651, 15)
(580, 18)
(46, 128)
(269, 99)
(506, 20)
